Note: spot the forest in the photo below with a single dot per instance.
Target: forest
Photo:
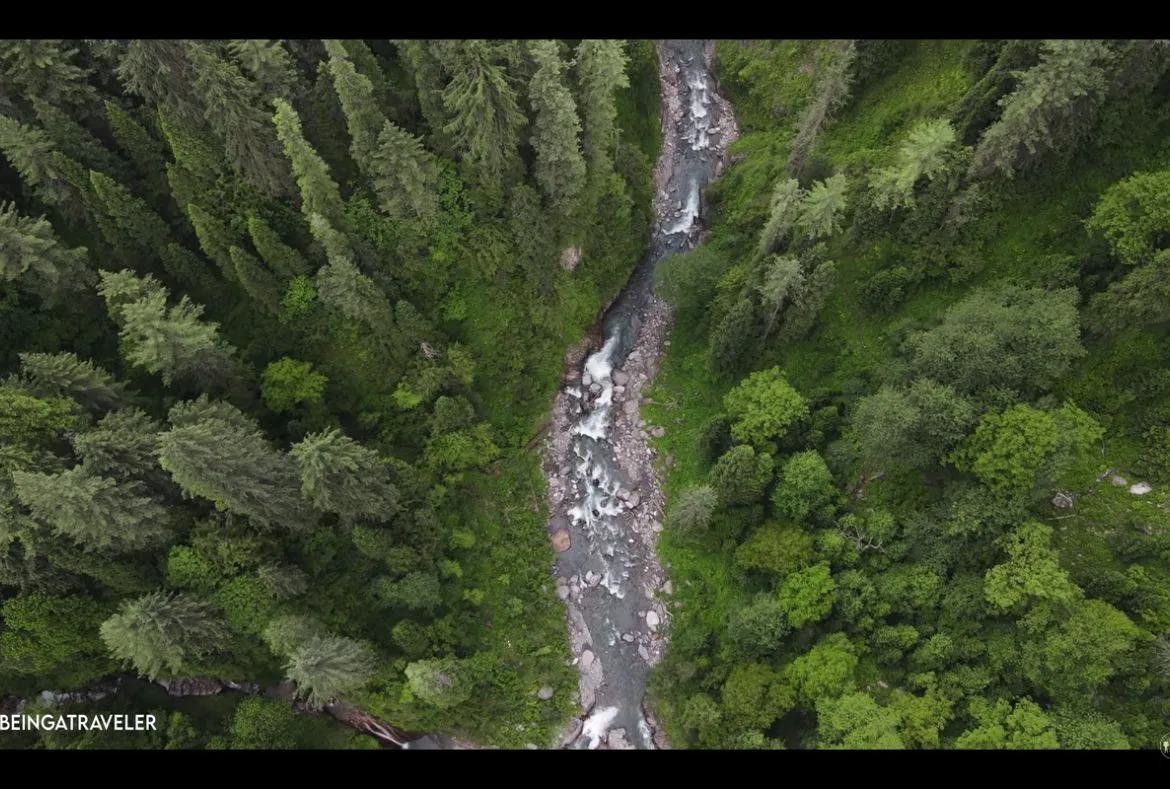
(282, 322)
(917, 401)
(279, 320)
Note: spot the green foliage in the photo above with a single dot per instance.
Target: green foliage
(763, 407)
(162, 634)
(806, 486)
(777, 549)
(740, 476)
(290, 382)
(53, 639)
(692, 514)
(807, 595)
(325, 668)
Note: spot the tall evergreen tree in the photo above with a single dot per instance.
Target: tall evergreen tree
(158, 70)
(31, 153)
(171, 342)
(97, 512)
(319, 192)
(122, 445)
(325, 668)
(76, 141)
(485, 116)
(215, 239)
(270, 65)
(234, 466)
(601, 71)
(147, 154)
(163, 634)
(260, 283)
(65, 375)
(284, 260)
(362, 114)
(404, 174)
(429, 80)
(31, 253)
(341, 476)
(234, 113)
(560, 167)
(46, 69)
(135, 220)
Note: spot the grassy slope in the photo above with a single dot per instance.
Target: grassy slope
(850, 347)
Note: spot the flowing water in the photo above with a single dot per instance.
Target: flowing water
(603, 493)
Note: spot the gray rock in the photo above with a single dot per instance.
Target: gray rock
(617, 390)
(617, 740)
(545, 693)
(586, 379)
(668, 587)
(670, 460)
(530, 747)
(1118, 480)
(656, 526)
(595, 580)
(587, 658)
(628, 638)
(572, 730)
(644, 653)
(634, 500)
(623, 494)
(595, 389)
(658, 431)
(563, 592)
(652, 620)
(621, 377)
(630, 407)
(1140, 489)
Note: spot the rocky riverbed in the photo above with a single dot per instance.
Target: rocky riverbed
(605, 501)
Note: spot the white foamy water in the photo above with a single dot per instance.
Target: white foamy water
(597, 725)
(690, 213)
(599, 367)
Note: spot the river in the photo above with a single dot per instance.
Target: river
(605, 501)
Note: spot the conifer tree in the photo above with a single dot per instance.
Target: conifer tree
(162, 634)
(76, 141)
(31, 153)
(319, 192)
(270, 65)
(260, 283)
(560, 167)
(65, 375)
(822, 207)
(31, 253)
(158, 70)
(134, 219)
(45, 69)
(325, 668)
(285, 261)
(343, 287)
(787, 198)
(404, 174)
(485, 116)
(232, 109)
(97, 512)
(215, 240)
(190, 270)
(429, 81)
(601, 70)
(147, 154)
(122, 445)
(170, 342)
(362, 114)
(232, 465)
(341, 476)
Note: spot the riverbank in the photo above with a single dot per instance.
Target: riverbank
(604, 495)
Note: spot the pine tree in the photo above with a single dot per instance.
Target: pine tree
(215, 240)
(339, 475)
(122, 445)
(233, 111)
(120, 288)
(66, 375)
(429, 81)
(362, 114)
(147, 154)
(232, 465)
(1051, 109)
(787, 198)
(325, 668)
(284, 260)
(31, 153)
(162, 634)
(158, 70)
(366, 62)
(319, 192)
(830, 92)
(191, 271)
(822, 207)
(136, 221)
(601, 69)
(96, 512)
(405, 175)
(76, 141)
(560, 167)
(270, 65)
(924, 154)
(260, 283)
(31, 253)
(173, 343)
(485, 115)
(343, 287)
(783, 279)
(44, 69)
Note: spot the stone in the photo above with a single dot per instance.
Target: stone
(572, 730)
(644, 653)
(1118, 480)
(658, 431)
(628, 638)
(621, 377)
(652, 620)
(530, 747)
(1140, 489)
(545, 693)
(630, 407)
(563, 592)
(656, 526)
(617, 390)
(670, 460)
(595, 388)
(586, 379)
(561, 540)
(595, 580)
(589, 577)
(623, 494)
(617, 740)
(668, 587)
(587, 658)
(634, 500)
(570, 258)
(1062, 500)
